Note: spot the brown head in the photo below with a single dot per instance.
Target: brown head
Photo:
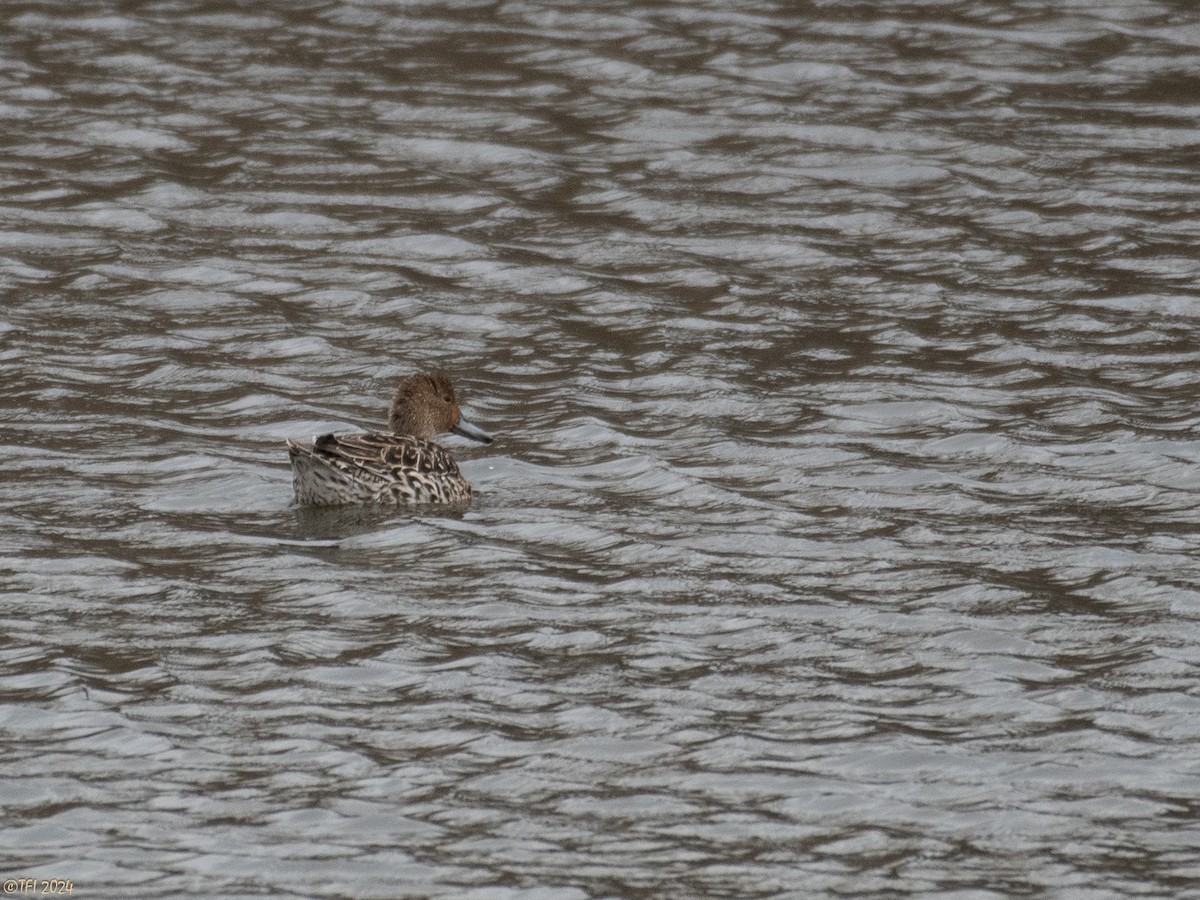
(425, 406)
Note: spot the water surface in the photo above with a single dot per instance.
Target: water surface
(840, 534)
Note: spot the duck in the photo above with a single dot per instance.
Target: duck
(400, 466)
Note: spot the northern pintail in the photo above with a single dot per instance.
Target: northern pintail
(403, 466)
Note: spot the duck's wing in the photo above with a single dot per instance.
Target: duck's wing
(388, 456)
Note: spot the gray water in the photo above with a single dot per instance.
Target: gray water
(840, 537)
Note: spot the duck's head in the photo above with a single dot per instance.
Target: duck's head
(425, 406)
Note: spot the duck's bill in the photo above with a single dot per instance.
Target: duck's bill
(474, 432)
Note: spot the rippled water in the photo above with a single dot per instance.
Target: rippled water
(840, 537)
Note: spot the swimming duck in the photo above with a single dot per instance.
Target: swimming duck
(403, 466)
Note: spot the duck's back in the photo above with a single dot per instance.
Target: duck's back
(375, 468)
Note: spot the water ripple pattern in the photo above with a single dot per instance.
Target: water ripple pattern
(840, 537)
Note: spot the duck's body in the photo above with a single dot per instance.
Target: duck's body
(401, 467)
(375, 468)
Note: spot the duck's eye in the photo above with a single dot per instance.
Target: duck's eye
(447, 399)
